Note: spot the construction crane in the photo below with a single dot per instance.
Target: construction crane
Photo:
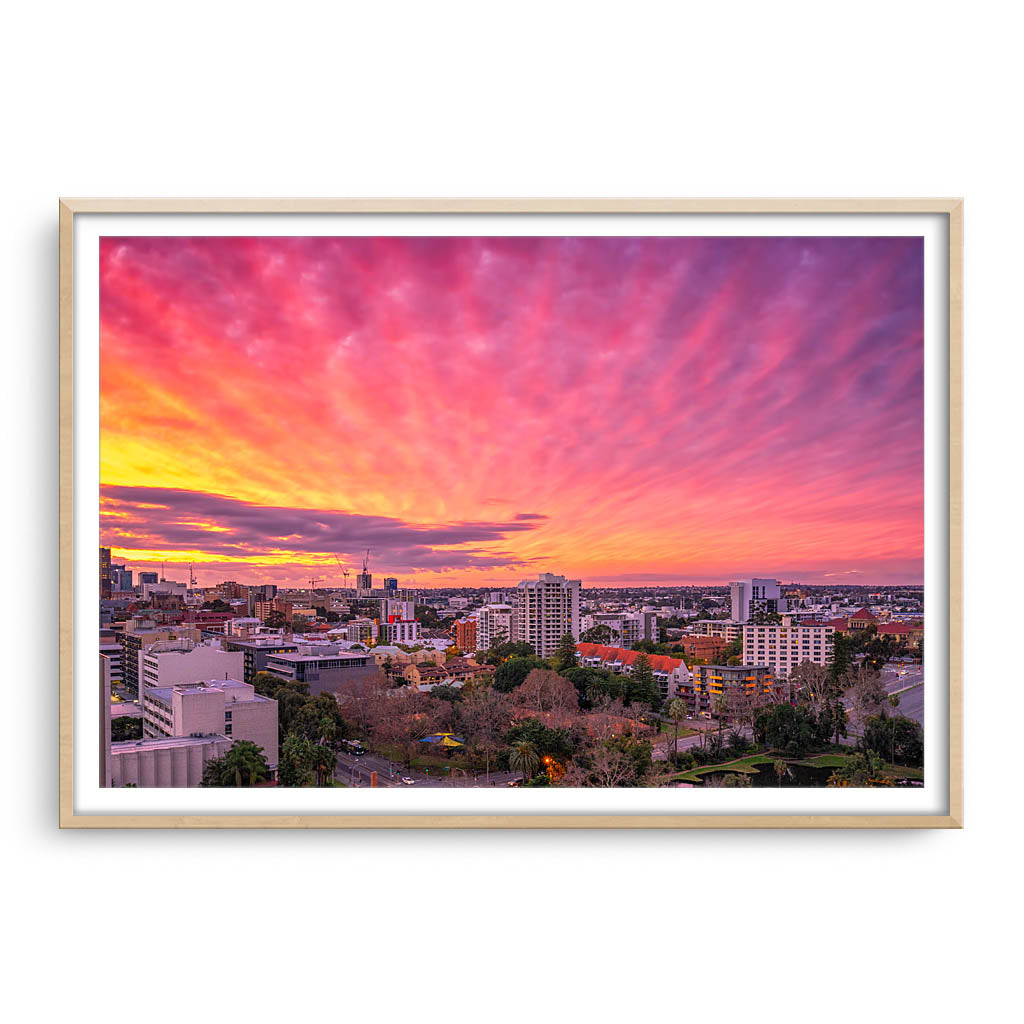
(344, 571)
(312, 583)
(366, 562)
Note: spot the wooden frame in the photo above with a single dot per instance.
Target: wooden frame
(951, 208)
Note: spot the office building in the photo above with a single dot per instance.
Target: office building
(256, 650)
(148, 577)
(136, 637)
(324, 668)
(168, 662)
(169, 761)
(390, 585)
(216, 707)
(545, 610)
(106, 581)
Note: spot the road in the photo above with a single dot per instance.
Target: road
(355, 771)
(911, 683)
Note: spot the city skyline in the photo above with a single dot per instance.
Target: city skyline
(645, 411)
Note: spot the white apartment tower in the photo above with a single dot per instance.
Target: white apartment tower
(545, 610)
(755, 595)
(493, 624)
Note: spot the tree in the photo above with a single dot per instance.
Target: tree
(124, 729)
(524, 758)
(565, 653)
(677, 711)
(788, 729)
(644, 688)
(216, 606)
(902, 738)
(860, 769)
(243, 765)
(295, 767)
(599, 634)
(275, 620)
(544, 690)
(720, 706)
(733, 649)
(512, 673)
(865, 692)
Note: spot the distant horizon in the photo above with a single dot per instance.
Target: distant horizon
(474, 410)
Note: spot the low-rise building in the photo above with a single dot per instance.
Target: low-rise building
(737, 683)
(671, 674)
(170, 761)
(217, 707)
(168, 662)
(324, 668)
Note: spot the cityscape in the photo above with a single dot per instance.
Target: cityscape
(489, 512)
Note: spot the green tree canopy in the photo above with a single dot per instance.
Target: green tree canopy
(243, 765)
(512, 673)
(565, 653)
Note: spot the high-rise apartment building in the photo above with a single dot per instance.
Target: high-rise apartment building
(390, 585)
(493, 625)
(755, 595)
(465, 634)
(545, 610)
(364, 582)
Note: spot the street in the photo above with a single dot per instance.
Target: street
(355, 771)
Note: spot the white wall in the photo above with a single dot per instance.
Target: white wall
(539, 99)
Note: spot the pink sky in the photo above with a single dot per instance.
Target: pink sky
(476, 410)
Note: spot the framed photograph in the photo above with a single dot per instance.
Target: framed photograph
(511, 513)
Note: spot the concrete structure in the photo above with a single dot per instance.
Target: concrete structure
(671, 674)
(184, 661)
(737, 683)
(217, 707)
(105, 769)
(176, 761)
(324, 669)
(493, 625)
(113, 651)
(755, 595)
(390, 585)
(545, 610)
(783, 647)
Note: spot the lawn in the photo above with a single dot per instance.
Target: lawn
(743, 766)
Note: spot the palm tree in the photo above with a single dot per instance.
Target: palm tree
(676, 710)
(243, 765)
(780, 769)
(524, 758)
(324, 762)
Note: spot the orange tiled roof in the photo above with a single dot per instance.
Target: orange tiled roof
(659, 662)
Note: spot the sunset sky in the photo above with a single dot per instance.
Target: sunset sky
(477, 410)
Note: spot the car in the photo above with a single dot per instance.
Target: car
(406, 781)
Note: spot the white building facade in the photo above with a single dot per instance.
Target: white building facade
(493, 625)
(546, 609)
(755, 595)
(783, 647)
